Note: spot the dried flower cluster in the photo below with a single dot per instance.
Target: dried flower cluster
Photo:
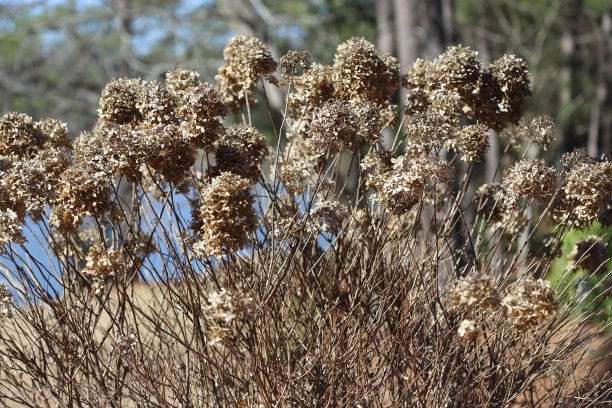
(102, 264)
(530, 179)
(357, 272)
(474, 291)
(529, 302)
(590, 253)
(227, 215)
(6, 303)
(494, 95)
(329, 216)
(247, 59)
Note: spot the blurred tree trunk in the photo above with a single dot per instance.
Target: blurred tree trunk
(601, 118)
(123, 15)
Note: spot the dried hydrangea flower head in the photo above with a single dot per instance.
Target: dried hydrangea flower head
(370, 121)
(511, 75)
(329, 216)
(377, 166)
(590, 253)
(19, 135)
(334, 128)
(459, 70)
(179, 80)
(530, 179)
(419, 81)
(102, 263)
(575, 158)
(167, 150)
(156, 104)
(225, 307)
(118, 101)
(411, 174)
(30, 183)
(468, 329)
(110, 147)
(10, 227)
(313, 88)
(294, 63)
(227, 215)
(586, 189)
(542, 129)
(474, 291)
(471, 142)
(529, 303)
(56, 133)
(361, 74)
(6, 302)
(247, 59)
(426, 128)
(82, 190)
(199, 110)
(241, 150)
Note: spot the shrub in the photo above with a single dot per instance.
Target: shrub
(161, 261)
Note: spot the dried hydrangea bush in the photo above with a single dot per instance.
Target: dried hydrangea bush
(169, 257)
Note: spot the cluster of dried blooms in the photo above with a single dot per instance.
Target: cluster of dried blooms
(247, 60)
(227, 215)
(6, 302)
(354, 273)
(473, 290)
(529, 302)
(590, 253)
(102, 264)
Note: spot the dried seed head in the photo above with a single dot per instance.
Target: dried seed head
(241, 150)
(458, 70)
(334, 128)
(531, 179)
(6, 303)
(180, 80)
(329, 216)
(361, 74)
(404, 185)
(102, 264)
(156, 105)
(10, 227)
(56, 133)
(247, 59)
(311, 89)
(227, 215)
(426, 128)
(575, 158)
(295, 63)
(420, 79)
(529, 303)
(81, 191)
(587, 187)
(19, 135)
(511, 75)
(377, 166)
(118, 101)
(471, 141)
(474, 291)
(167, 149)
(542, 129)
(589, 253)
(225, 307)
(199, 109)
